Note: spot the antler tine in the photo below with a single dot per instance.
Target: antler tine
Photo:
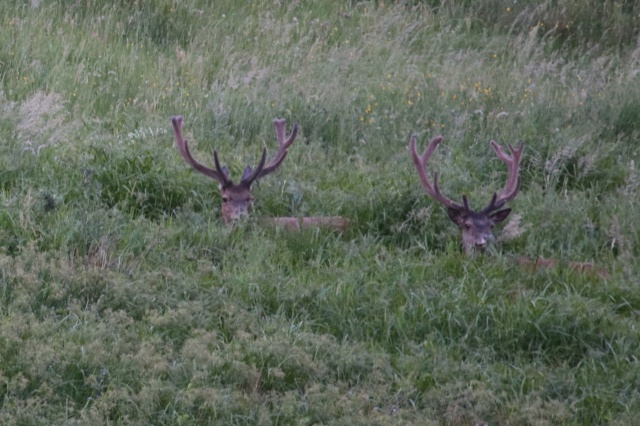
(254, 174)
(420, 161)
(283, 145)
(513, 166)
(465, 201)
(183, 147)
(279, 124)
(492, 204)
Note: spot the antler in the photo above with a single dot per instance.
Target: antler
(283, 145)
(220, 174)
(512, 186)
(420, 162)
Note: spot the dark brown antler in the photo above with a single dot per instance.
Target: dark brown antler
(512, 186)
(283, 145)
(219, 174)
(420, 162)
(249, 176)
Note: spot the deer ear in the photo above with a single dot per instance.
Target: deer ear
(457, 216)
(246, 173)
(499, 216)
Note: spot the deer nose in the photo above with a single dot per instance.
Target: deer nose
(240, 214)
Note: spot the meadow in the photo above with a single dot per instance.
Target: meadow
(124, 299)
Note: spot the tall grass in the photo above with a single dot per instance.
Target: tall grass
(124, 299)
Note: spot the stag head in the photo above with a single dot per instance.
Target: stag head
(476, 226)
(237, 197)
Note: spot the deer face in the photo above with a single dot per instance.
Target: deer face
(476, 227)
(236, 202)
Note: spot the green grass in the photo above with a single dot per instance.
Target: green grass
(125, 300)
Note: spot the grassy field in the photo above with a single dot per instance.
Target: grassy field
(125, 300)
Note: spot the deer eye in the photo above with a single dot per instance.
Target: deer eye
(467, 226)
(225, 199)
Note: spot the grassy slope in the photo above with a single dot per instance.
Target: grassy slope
(123, 299)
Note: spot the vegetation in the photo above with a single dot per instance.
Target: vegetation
(125, 300)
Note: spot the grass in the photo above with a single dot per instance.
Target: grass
(125, 300)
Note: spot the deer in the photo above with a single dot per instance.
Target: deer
(477, 226)
(237, 198)
(584, 268)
